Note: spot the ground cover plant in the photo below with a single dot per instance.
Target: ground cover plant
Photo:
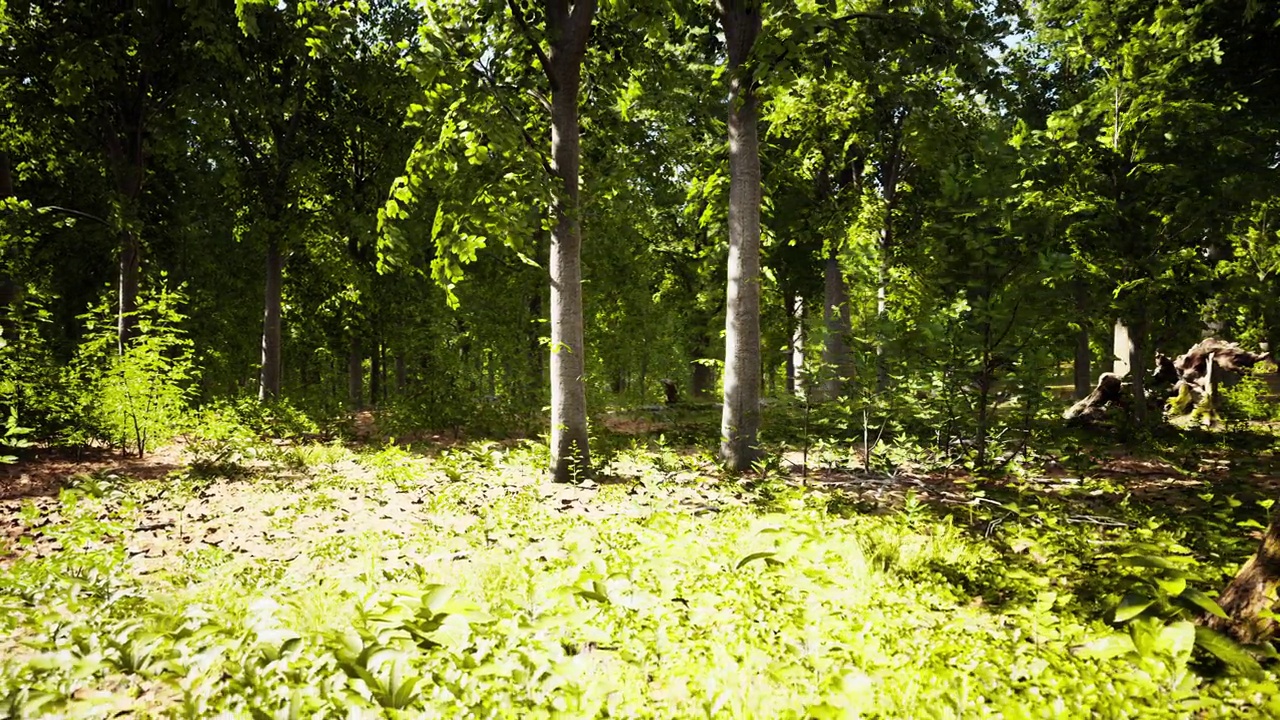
(713, 358)
(327, 580)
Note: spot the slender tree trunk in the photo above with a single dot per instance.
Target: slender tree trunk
(402, 374)
(740, 419)
(1138, 365)
(269, 380)
(382, 369)
(568, 30)
(1084, 356)
(703, 380)
(130, 271)
(355, 373)
(1083, 359)
(375, 374)
(1253, 591)
(6, 175)
(9, 290)
(795, 346)
(835, 317)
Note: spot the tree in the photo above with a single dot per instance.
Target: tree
(121, 69)
(568, 27)
(740, 419)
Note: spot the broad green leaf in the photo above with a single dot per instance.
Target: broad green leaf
(1230, 652)
(1131, 606)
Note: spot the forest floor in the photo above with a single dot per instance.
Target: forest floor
(281, 577)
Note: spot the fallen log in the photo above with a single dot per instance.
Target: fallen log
(1093, 407)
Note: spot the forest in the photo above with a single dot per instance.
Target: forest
(652, 359)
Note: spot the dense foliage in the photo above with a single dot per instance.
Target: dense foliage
(891, 239)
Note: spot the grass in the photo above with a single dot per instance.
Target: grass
(316, 581)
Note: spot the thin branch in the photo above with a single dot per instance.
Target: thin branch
(524, 132)
(517, 13)
(76, 213)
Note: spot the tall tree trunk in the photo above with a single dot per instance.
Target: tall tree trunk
(1084, 356)
(740, 420)
(130, 271)
(835, 317)
(795, 344)
(355, 373)
(269, 380)
(6, 175)
(8, 287)
(1138, 365)
(1083, 359)
(375, 373)
(382, 365)
(402, 374)
(703, 380)
(568, 30)
(1253, 591)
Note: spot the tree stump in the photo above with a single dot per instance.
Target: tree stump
(1253, 593)
(1109, 391)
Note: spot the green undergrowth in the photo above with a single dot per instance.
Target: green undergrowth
(661, 596)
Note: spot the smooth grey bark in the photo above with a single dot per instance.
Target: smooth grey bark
(568, 29)
(836, 355)
(740, 419)
(795, 344)
(269, 378)
(1121, 348)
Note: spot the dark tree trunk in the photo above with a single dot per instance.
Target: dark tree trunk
(402, 374)
(355, 373)
(703, 381)
(6, 175)
(130, 270)
(375, 374)
(889, 177)
(269, 381)
(1138, 366)
(568, 30)
(1253, 591)
(9, 290)
(1084, 356)
(835, 316)
(382, 365)
(740, 419)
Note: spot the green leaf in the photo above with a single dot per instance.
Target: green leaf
(1204, 602)
(1173, 586)
(755, 556)
(1105, 648)
(1230, 652)
(1131, 606)
(1150, 561)
(436, 597)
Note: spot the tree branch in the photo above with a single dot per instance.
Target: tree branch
(73, 212)
(517, 13)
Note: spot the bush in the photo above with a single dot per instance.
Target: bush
(136, 400)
